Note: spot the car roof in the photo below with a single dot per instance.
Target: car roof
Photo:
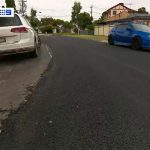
(129, 23)
(123, 23)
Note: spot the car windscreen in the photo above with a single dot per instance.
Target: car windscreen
(141, 27)
(10, 21)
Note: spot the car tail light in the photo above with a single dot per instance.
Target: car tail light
(19, 30)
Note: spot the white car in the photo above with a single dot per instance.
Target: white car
(17, 36)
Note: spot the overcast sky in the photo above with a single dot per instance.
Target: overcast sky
(62, 8)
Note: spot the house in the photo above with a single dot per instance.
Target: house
(119, 13)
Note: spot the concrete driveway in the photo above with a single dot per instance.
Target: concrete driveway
(19, 74)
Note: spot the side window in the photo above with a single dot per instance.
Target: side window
(17, 20)
(119, 27)
(125, 26)
(122, 26)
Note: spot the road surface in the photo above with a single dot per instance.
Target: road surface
(93, 97)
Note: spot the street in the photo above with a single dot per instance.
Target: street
(93, 96)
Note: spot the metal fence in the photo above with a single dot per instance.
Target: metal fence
(102, 29)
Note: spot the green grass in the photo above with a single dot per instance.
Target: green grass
(89, 37)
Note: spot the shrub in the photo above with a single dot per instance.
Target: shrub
(47, 29)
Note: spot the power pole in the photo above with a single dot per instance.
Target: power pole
(91, 11)
(23, 7)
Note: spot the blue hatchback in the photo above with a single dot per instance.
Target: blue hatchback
(130, 34)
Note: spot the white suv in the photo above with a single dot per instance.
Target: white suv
(17, 36)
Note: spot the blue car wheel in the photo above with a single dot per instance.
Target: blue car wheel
(136, 43)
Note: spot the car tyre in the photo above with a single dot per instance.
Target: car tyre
(34, 53)
(136, 43)
(110, 40)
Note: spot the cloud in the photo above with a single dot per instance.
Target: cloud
(62, 8)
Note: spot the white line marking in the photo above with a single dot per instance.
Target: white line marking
(47, 48)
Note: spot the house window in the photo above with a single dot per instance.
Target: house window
(114, 12)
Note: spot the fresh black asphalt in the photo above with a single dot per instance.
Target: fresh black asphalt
(93, 97)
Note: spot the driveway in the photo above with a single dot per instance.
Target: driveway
(19, 74)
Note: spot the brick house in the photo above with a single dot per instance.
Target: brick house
(118, 11)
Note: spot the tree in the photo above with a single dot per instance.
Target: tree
(142, 10)
(33, 13)
(101, 19)
(33, 20)
(90, 27)
(67, 27)
(10, 3)
(58, 22)
(47, 29)
(76, 9)
(84, 20)
(47, 21)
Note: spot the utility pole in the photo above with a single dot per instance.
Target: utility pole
(23, 7)
(91, 11)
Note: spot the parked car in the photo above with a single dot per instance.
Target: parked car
(17, 36)
(130, 34)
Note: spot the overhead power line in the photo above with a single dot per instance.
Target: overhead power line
(53, 16)
(44, 9)
(130, 5)
(98, 8)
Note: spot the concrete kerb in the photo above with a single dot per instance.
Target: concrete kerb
(104, 41)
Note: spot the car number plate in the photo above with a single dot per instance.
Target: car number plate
(2, 40)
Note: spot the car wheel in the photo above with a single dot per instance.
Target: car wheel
(34, 53)
(136, 43)
(110, 40)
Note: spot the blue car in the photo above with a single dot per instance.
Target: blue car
(130, 34)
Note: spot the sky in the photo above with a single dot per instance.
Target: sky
(62, 8)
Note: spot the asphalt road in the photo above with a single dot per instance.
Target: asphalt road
(92, 97)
